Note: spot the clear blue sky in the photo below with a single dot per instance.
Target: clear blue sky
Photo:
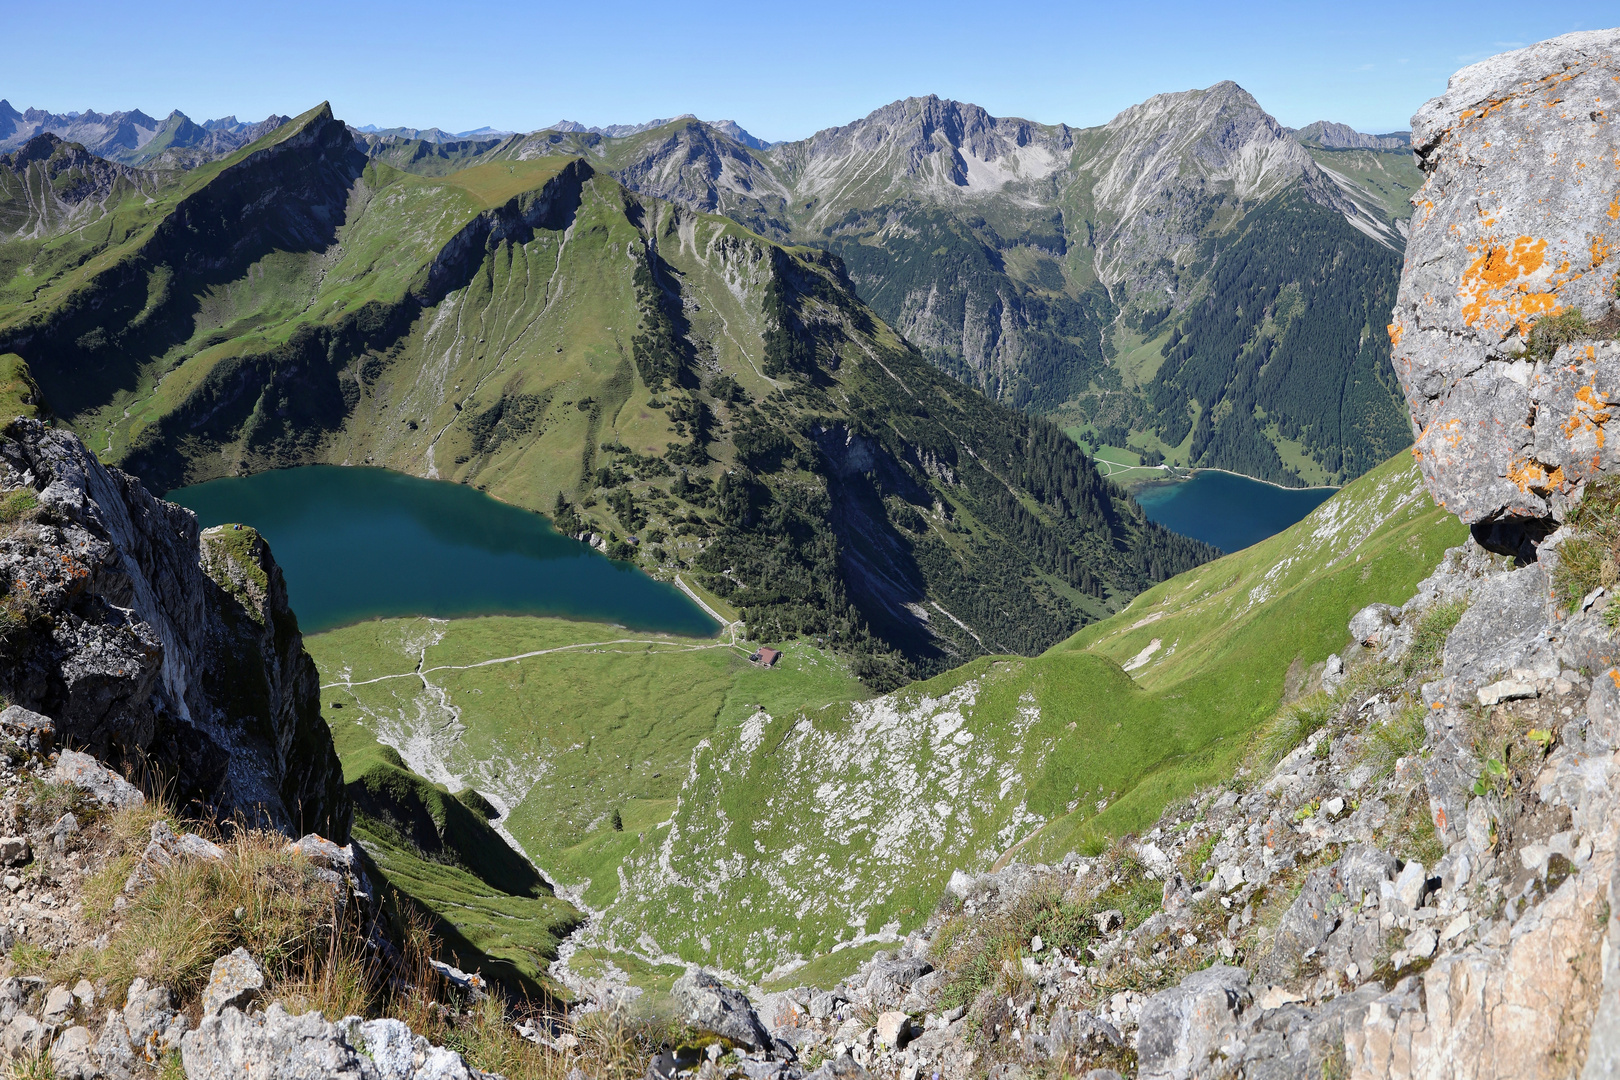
(780, 70)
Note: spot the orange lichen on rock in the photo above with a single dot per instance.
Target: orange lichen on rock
(1600, 250)
(1592, 410)
(1395, 333)
(1504, 286)
(1448, 430)
(1529, 476)
(1614, 205)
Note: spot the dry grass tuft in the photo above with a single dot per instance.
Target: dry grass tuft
(1591, 557)
(274, 903)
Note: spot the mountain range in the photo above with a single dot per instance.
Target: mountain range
(1089, 275)
(133, 138)
(1192, 282)
(630, 366)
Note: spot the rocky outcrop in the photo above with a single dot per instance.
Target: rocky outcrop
(1307, 928)
(157, 647)
(1518, 222)
(276, 1045)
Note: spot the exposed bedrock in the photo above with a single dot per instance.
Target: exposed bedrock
(1518, 222)
(157, 647)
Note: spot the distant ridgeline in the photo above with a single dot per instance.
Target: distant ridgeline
(1192, 281)
(699, 397)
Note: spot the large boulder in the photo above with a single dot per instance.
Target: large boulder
(1518, 221)
(1185, 1029)
(275, 1045)
(712, 1006)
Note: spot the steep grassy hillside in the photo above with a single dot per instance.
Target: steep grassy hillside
(817, 822)
(634, 369)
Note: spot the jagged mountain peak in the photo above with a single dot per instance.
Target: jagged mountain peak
(1191, 146)
(735, 131)
(942, 147)
(134, 138)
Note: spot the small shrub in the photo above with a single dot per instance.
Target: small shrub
(1201, 855)
(1292, 725)
(1555, 331)
(1399, 736)
(32, 1067)
(30, 959)
(1429, 639)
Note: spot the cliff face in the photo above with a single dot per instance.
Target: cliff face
(153, 646)
(1516, 225)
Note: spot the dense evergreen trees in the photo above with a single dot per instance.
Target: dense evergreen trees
(1291, 333)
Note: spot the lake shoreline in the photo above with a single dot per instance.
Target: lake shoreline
(1165, 481)
(357, 543)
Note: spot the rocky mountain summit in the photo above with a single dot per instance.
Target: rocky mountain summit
(1331, 136)
(48, 185)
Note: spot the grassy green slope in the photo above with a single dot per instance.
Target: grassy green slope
(1382, 180)
(753, 838)
(812, 830)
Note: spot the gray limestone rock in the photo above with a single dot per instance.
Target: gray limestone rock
(25, 1037)
(712, 1006)
(1508, 231)
(95, 779)
(1370, 625)
(273, 1045)
(147, 1014)
(32, 731)
(118, 1058)
(1313, 915)
(398, 1054)
(15, 850)
(890, 979)
(114, 1048)
(235, 981)
(1508, 616)
(73, 1055)
(823, 1005)
(1362, 869)
(1182, 1028)
(1603, 709)
(58, 1006)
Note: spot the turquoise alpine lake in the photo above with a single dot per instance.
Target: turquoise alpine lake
(1228, 510)
(365, 543)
